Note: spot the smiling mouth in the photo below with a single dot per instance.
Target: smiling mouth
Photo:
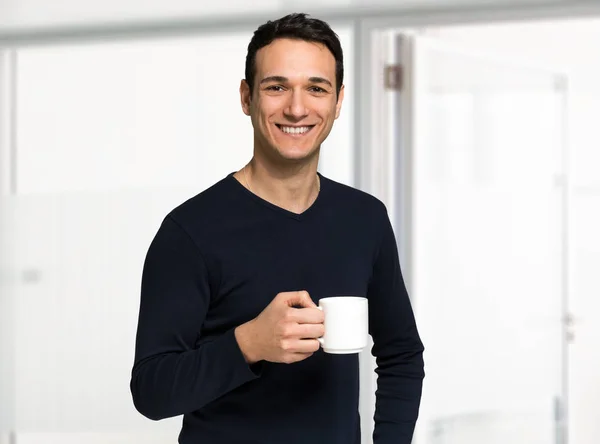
(295, 130)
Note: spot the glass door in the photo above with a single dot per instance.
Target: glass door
(480, 220)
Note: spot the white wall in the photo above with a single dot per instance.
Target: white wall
(110, 116)
(571, 47)
(78, 259)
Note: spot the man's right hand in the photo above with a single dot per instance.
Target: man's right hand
(282, 333)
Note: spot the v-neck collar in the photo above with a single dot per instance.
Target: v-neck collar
(276, 208)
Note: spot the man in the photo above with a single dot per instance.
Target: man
(228, 325)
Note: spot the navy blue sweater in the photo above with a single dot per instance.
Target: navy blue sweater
(215, 263)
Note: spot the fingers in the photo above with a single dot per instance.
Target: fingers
(303, 331)
(306, 315)
(300, 346)
(298, 299)
(295, 329)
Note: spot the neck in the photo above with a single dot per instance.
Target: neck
(294, 188)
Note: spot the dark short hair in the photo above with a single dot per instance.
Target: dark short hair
(295, 26)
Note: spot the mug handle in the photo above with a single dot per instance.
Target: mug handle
(321, 340)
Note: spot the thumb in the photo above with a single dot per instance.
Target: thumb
(300, 299)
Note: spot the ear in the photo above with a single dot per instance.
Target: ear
(340, 99)
(245, 97)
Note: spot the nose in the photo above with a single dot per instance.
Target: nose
(296, 108)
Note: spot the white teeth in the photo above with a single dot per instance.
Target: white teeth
(294, 130)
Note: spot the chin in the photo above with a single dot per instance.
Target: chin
(297, 154)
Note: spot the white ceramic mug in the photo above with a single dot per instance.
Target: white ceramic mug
(346, 324)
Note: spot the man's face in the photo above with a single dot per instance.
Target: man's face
(294, 103)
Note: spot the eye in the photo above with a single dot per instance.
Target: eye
(276, 88)
(317, 89)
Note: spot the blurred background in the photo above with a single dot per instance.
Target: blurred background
(475, 121)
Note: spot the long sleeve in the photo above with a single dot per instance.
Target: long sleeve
(397, 347)
(176, 371)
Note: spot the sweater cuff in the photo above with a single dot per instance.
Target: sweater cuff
(252, 371)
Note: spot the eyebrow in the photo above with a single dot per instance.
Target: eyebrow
(282, 79)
